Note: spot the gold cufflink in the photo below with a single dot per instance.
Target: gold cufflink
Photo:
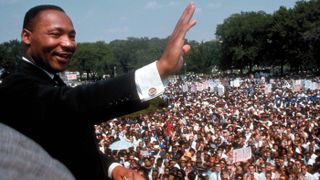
(152, 91)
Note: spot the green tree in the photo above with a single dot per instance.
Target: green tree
(308, 17)
(203, 57)
(10, 52)
(243, 37)
(95, 59)
(135, 52)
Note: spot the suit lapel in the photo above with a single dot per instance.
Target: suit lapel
(34, 72)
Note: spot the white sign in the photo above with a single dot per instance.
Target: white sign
(71, 77)
(241, 154)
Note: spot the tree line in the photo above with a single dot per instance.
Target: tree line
(287, 40)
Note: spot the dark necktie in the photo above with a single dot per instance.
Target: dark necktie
(59, 82)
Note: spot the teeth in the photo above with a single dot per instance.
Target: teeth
(64, 53)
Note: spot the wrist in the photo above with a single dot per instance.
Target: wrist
(113, 168)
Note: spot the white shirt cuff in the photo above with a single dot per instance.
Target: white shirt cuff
(148, 82)
(111, 167)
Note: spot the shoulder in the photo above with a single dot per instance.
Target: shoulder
(15, 83)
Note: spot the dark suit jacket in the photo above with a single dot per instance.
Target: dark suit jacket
(61, 119)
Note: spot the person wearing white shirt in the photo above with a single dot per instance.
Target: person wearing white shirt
(305, 174)
(216, 174)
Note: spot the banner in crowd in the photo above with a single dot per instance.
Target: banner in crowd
(212, 84)
(185, 87)
(272, 81)
(71, 77)
(215, 86)
(241, 154)
(304, 84)
(235, 83)
(268, 88)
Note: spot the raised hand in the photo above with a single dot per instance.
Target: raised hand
(171, 60)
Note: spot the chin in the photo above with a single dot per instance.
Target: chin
(60, 68)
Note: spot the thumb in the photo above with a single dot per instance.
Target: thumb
(186, 48)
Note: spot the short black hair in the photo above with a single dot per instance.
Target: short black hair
(34, 12)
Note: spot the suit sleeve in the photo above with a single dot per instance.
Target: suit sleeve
(104, 99)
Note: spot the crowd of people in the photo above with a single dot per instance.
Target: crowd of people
(194, 136)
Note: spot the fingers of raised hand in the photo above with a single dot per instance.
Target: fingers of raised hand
(172, 60)
(185, 22)
(187, 15)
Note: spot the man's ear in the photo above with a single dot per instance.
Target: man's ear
(26, 36)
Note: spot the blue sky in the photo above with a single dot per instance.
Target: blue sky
(108, 20)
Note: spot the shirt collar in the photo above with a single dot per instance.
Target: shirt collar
(27, 60)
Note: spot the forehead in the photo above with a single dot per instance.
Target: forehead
(52, 18)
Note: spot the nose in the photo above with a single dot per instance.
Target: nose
(68, 42)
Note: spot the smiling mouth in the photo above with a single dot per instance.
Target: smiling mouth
(63, 56)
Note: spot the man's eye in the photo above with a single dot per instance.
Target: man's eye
(54, 34)
(72, 36)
